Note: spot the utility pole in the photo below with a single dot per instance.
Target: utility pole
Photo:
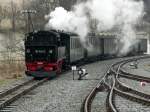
(23, 4)
(29, 23)
(13, 30)
(13, 8)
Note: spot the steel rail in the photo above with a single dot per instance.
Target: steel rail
(133, 96)
(124, 88)
(8, 91)
(87, 101)
(91, 95)
(16, 93)
(117, 74)
(133, 93)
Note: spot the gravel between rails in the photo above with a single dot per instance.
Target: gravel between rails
(62, 94)
(142, 69)
(136, 85)
(14, 83)
(145, 64)
(125, 105)
(99, 102)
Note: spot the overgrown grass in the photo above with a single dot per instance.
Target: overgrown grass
(11, 69)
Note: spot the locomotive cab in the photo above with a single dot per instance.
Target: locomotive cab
(44, 55)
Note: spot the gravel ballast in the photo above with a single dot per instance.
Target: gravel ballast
(99, 102)
(125, 105)
(62, 94)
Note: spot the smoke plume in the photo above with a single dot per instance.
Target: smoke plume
(124, 14)
(72, 21)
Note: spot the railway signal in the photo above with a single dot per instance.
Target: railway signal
(74, 68)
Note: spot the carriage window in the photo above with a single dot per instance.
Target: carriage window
(75, 43)
(72, 44)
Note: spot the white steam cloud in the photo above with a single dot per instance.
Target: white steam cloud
(124, 14)
(72, 21)
(130, 14)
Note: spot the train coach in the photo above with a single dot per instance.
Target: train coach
(47, 53)
(112, 46)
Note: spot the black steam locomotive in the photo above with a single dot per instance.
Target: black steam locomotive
(47, 53)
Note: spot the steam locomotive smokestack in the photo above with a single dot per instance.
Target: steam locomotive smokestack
(124, 14)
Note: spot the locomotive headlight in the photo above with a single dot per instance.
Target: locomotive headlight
(50, 51)
(48, 68)
(51, 68)
(28, 50)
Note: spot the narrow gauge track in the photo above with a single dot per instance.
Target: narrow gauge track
(133, 76)
(132, 93)
(9, 96)
(14, 93)
(117, 87)
(101, 84)
(125, 91)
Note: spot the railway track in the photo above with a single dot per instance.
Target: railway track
(117, 87)
(9, 96)
(102, 83)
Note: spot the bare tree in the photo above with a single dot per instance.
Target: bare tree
(67, 4)
(1, 15)
(13, 8)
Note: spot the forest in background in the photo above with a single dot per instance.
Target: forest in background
(13, 26)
